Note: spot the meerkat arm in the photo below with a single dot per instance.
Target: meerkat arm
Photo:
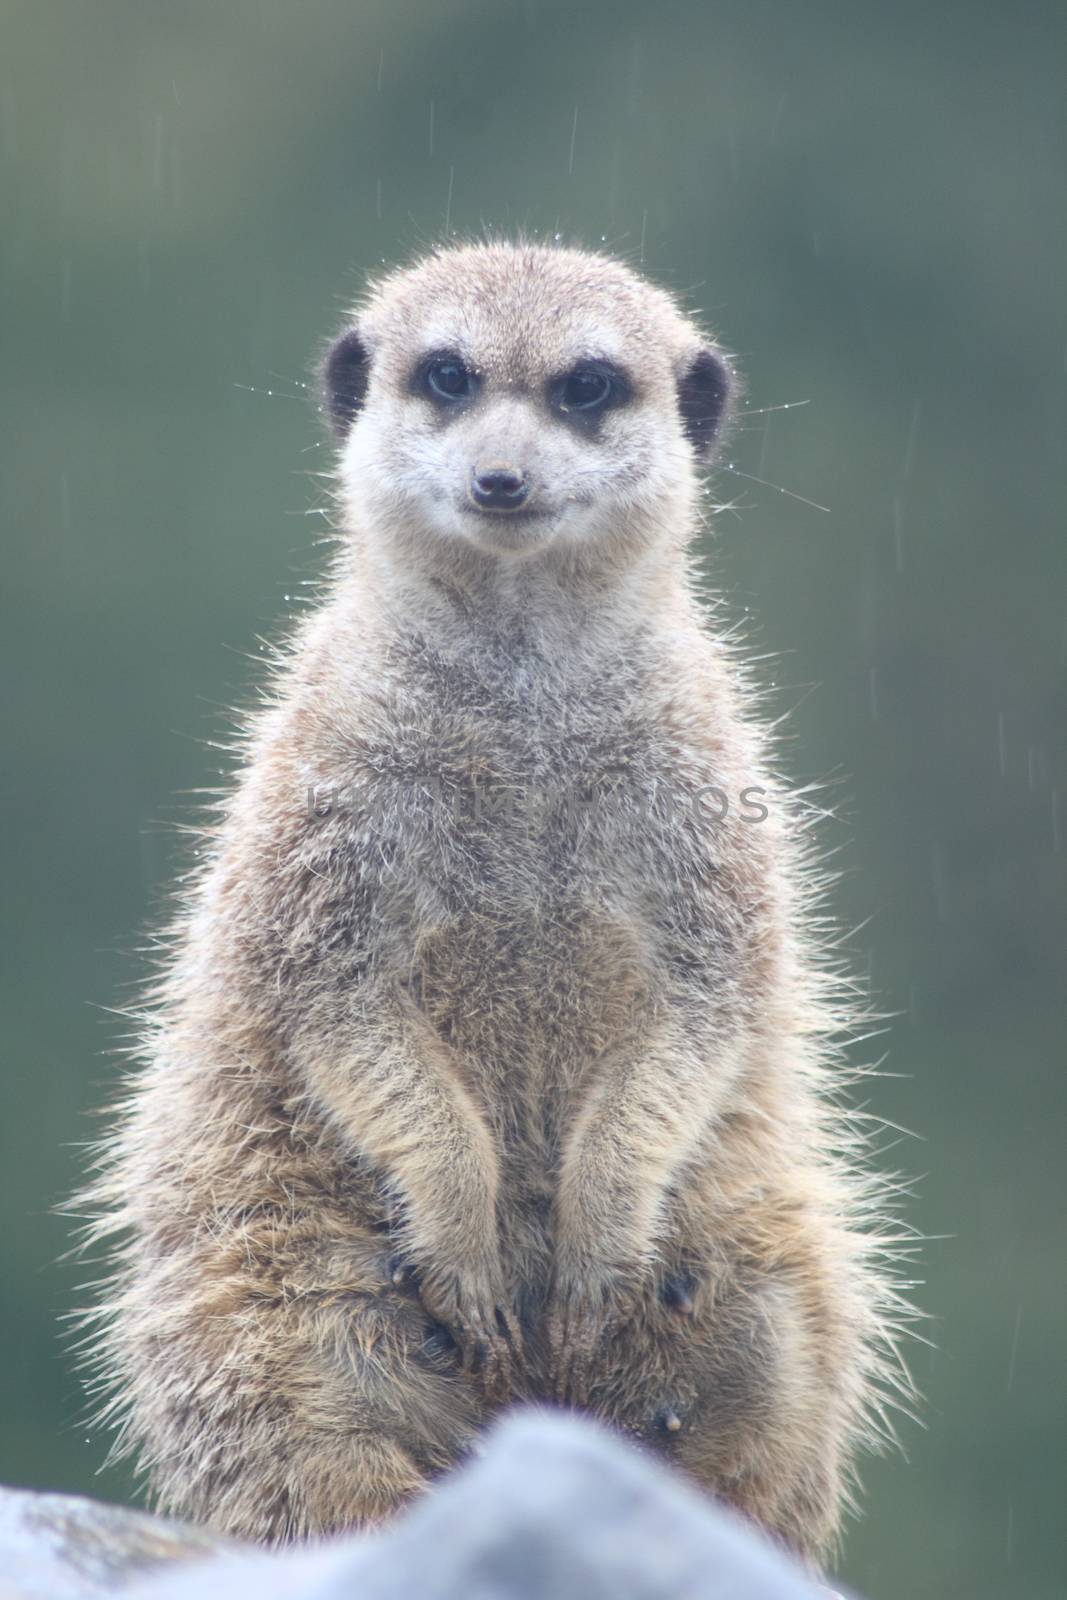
(635, 1134)
(394, 1091)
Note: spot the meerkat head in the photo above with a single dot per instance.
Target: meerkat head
(514, 398)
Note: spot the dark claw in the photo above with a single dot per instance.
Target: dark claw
(678, 1292)
(439, 1344)
(402, 1274)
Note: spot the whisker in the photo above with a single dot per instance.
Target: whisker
(760, 411)
(274, 394)
(777, 488)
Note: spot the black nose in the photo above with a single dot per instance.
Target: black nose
(498, 488)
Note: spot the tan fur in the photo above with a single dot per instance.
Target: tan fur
(443, 1107)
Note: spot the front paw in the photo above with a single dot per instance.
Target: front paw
(586, 1310)
(475, 1308)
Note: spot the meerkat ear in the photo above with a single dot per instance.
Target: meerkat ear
(704, 399)
(345, 371)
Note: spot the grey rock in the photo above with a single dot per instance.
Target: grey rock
(63, 1547)
(556, 1509)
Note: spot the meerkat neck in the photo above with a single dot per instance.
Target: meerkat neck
(557, 605)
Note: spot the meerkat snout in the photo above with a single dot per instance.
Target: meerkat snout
(498, 487)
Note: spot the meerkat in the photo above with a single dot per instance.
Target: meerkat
(493, 1058)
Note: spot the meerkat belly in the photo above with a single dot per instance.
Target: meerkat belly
(529, 998)
(536, 941)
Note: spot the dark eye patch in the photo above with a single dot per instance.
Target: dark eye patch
(584, 388)
(588, 389)
(444, 377)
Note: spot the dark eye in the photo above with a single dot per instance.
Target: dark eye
(448, 378)
(584, 389)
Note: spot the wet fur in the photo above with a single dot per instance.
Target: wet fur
(437, 1110)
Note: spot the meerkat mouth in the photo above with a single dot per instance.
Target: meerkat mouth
(501, 517)
(509, 533)
(499, 521)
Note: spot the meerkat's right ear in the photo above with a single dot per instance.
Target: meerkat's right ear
(704, 392)
(345, 372)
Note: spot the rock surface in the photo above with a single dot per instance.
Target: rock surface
(556, 1509)
(61, 1547)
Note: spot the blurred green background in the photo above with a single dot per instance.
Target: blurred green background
(868, 202)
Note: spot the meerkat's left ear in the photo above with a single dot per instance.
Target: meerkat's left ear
(705, 388)
(345, 372)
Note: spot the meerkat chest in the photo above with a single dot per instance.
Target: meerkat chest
(543, 882)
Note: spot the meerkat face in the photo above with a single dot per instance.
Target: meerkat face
(514, 397)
